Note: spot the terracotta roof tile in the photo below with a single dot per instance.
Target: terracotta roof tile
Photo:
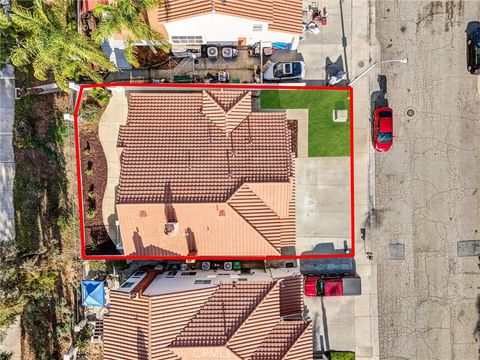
(281, 15)
(172, 152)
(223, 314)
(184, 156)
(290, 303)
(242, 320)
(304, 341)
(279, 340)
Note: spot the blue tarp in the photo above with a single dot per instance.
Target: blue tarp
(281, 46)
(93, 293)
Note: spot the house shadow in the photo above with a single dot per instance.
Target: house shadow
(327, 266)
(191, 243)
(142, 348)
(476, 332)
(377, 98)
(170, 213)
(150, 250)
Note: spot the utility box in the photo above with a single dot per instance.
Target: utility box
(340, 115)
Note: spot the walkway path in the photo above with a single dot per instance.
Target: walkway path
(11, 342)
(7, 161)
(115, 115)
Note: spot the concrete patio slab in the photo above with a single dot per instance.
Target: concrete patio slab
(301, 115)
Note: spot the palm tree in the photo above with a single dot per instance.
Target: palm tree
(49, 42)
(129, 16)
(7, 40)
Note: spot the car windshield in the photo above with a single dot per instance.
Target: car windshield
(385, 114)
(288, 68)
(297, 68)
(385, 137)
(278, 70)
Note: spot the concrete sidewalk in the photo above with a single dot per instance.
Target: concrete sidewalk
(114, 115)
(7, 161)
(11, 342)
(345, 43)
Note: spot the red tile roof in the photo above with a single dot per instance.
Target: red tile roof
(209, 163)
(281, 15)
(241, 319)
(280, 340)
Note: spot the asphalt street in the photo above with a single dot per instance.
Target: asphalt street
(426, 192)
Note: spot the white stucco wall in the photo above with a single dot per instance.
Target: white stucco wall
(219, 28)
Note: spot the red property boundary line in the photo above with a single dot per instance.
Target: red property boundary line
(212, 86)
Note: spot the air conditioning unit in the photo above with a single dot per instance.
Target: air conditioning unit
(228, 265)
(206, 265)
(212, 53)
(229, 53)
(184, 267)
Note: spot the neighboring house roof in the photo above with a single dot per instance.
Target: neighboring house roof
(209, 163)
(281, 15)
(235, 320)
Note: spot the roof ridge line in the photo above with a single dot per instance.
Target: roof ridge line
(194, 316)
(239, 101)
(272, 286)
(306, 324)
(246, 220)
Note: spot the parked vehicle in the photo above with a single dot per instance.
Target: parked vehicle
(382, 129)
(333, 285)
(473, 53)
(293, 70)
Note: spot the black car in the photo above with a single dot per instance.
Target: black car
(473, 53)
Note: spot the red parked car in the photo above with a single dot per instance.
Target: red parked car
(382, 129)
(333, 285)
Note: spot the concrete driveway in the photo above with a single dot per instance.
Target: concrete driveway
(322, 201)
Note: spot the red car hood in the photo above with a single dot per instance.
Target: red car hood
(311, 286)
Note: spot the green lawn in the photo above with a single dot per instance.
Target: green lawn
(325, 138)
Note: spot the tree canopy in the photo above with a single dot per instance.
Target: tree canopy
(49, 41)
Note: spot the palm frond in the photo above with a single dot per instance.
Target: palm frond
(19, 57)
(146, 5)
(102, 9)
(131, 53)
(108, 26)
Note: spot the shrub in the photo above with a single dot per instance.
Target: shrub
(87, 151)
(83, 337)
(341, 355)
(101, 95)
(4, 355)
(91, 195)
(89, 172)
(90, 214)
(90, 112)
